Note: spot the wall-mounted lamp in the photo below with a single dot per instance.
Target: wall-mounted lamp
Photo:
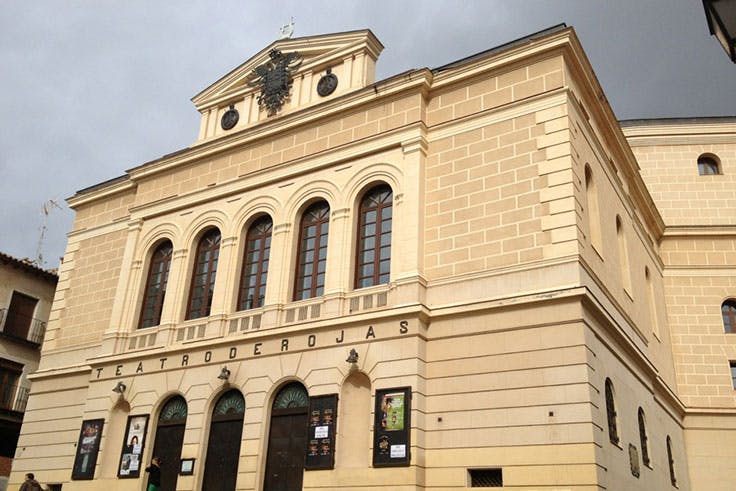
(224, 374)
(119, 388)
(352, 357)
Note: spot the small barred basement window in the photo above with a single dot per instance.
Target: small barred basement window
(486, 478)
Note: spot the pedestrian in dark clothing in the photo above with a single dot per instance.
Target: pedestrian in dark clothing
(30, 484)
(154, 474)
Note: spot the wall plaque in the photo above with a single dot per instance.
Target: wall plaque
(87, 448)
(321, 432)
(131, 456)
(391, 427)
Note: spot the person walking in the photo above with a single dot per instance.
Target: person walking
(154, 474)
(30, 484)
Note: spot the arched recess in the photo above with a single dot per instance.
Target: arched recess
(353, 435)
(169, 438)
(287, 439)
(594, 214)
(115, 429)
(223, 447)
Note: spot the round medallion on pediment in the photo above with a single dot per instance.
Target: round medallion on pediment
(327, 84)
(230, 118)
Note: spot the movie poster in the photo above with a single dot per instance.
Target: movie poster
(132, 453)
(391, 427)
(321, 432)
(87, 448)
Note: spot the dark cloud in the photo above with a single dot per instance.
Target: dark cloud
(89, 89)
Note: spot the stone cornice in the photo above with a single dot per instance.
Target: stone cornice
(641, 133)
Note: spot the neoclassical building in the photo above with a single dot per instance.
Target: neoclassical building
(466, 276)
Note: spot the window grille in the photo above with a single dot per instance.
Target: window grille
(486, 478)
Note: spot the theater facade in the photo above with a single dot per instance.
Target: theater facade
(467, 276)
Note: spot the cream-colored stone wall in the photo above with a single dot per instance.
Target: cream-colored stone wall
(633, 285)
(482, 204)
(515, 318)
(282, 149)
(682, 195)
(88, 286)
(103, 212)
(494, 90)
(698, 256)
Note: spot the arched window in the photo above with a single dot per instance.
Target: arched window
(623, 255)
(169, 439)
(611, 413)
(594, 216)
(643, 439)
(728, 311)
(312, 256)
(373, 256)
(223, 448)
(287, 439)
(708, 165)
(203, 276)
(255, 264)
(671, 461)
(158, 277)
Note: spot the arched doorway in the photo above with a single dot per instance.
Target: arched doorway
(169, 438)
(287, 439)
(223, 448)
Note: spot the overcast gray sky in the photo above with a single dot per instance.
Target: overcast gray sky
(91, 88)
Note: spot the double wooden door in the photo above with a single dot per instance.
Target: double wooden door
(223, 454)
(167, 447)
(286, 449)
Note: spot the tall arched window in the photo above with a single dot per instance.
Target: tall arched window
(287, 439)
(611, 413)
(594, 216)
(203, 276)
(223, 448)
(623, 255)
(158, 277)
(728, 311)
(312, 256)
(169, 439)
(671, 461)
(255, 264)
(373, 257)
(643, 439)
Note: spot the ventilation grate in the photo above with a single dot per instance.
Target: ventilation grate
(486, 478)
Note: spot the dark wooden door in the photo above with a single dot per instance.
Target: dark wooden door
(223, 453)
(167, 447)
(286, 449)
(20, 315)
(223, 448)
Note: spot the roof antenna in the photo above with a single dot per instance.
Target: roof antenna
(287, 30)
(46, 209)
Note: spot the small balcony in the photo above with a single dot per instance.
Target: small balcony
(19, 327)
(13, 400)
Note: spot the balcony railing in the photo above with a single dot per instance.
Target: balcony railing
(13, 398)
(18, 326)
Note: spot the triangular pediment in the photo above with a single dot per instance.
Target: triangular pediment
(318, 53)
